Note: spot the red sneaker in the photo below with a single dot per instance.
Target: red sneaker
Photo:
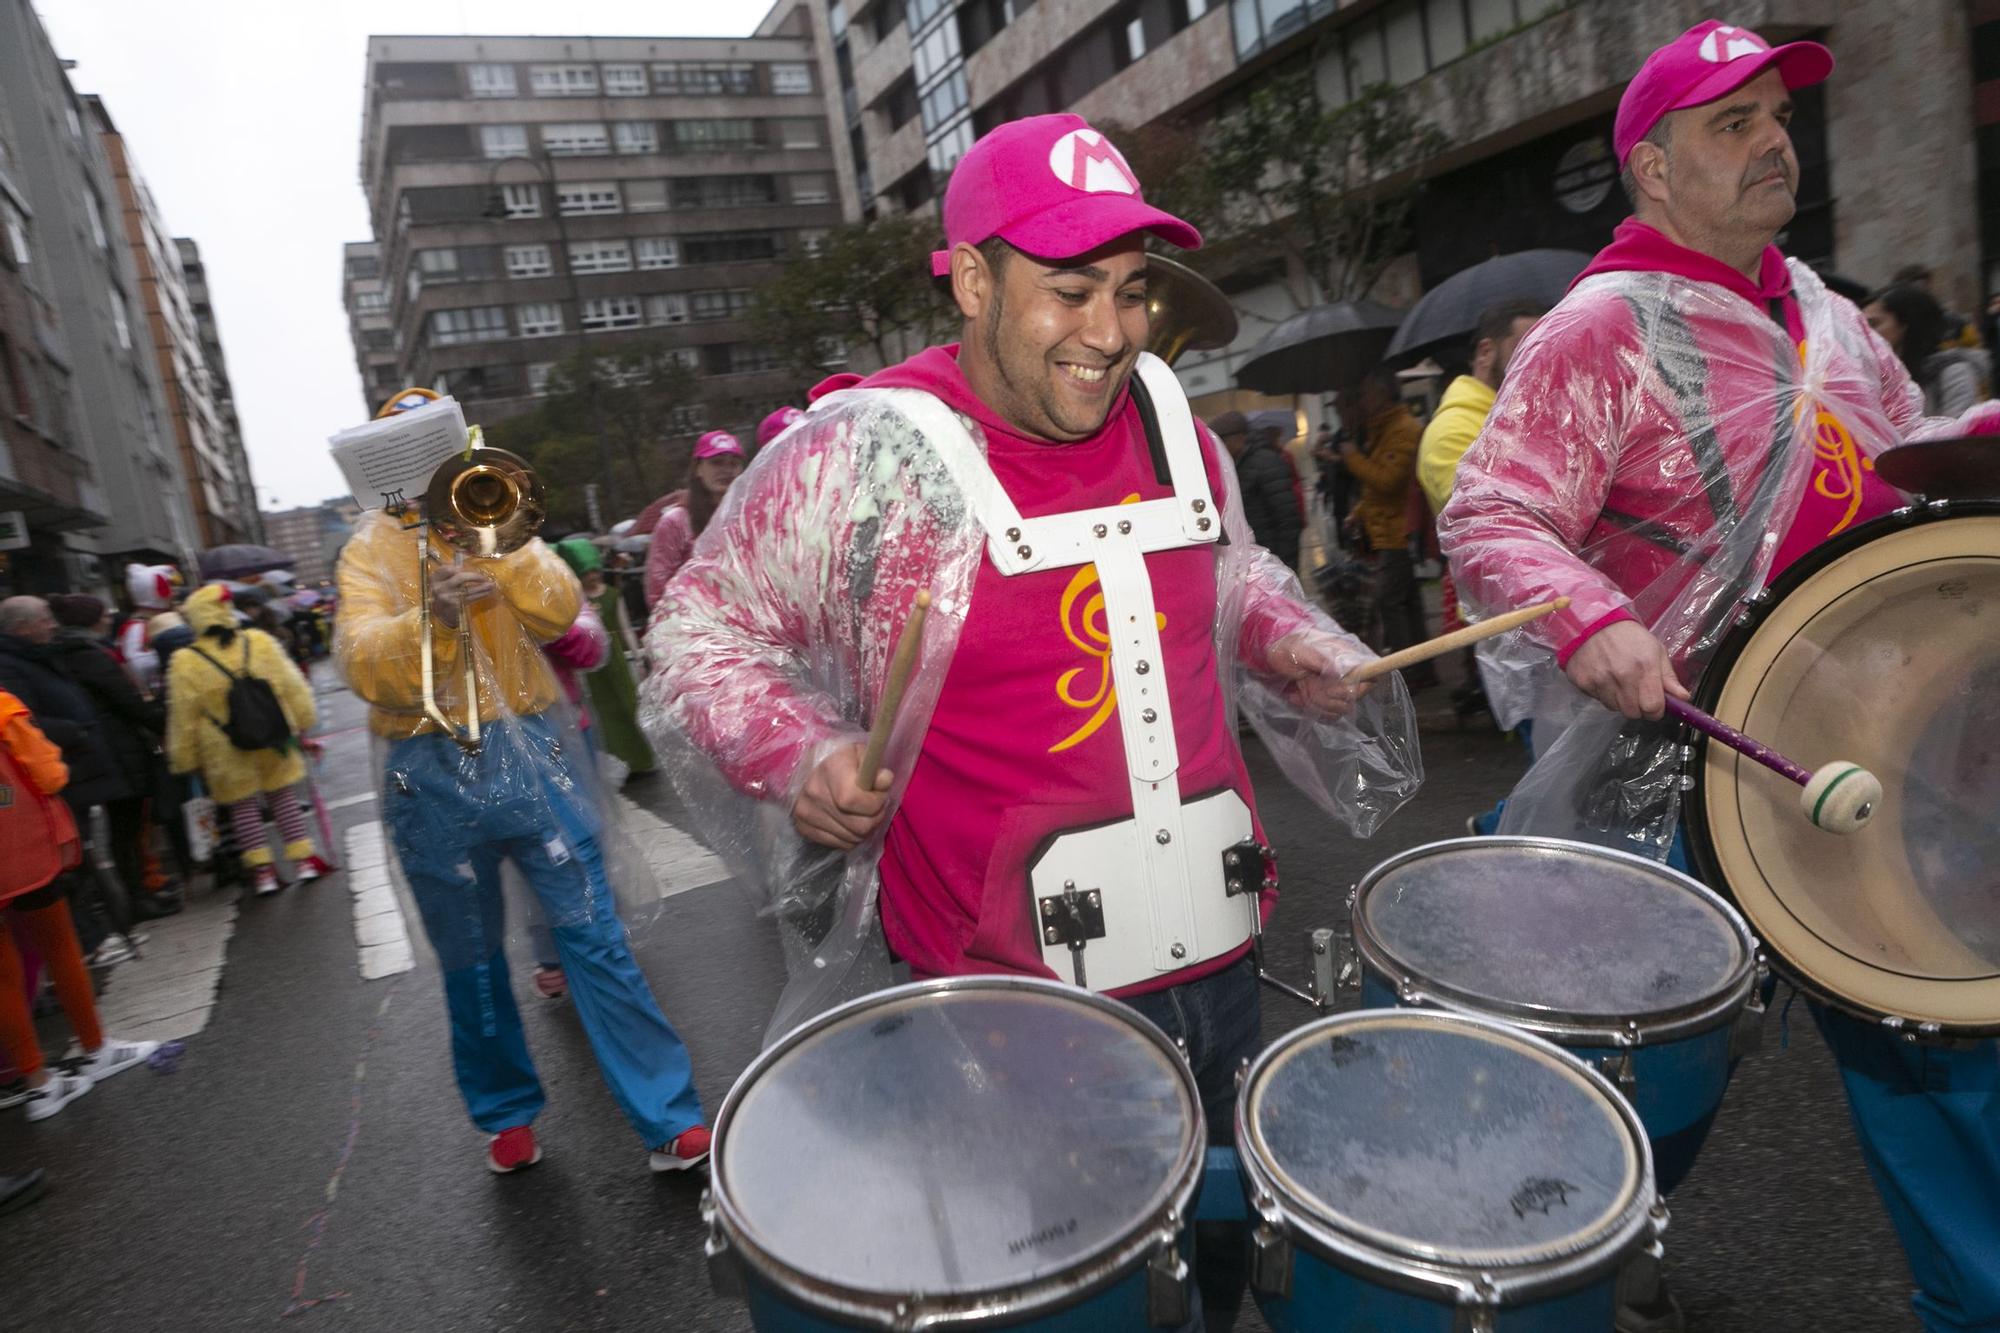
(512, 1149)
(315, 867)
(688, 1150)
(264, 880)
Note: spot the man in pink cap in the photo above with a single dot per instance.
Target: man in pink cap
(1063, 784)
(716, 464)
(1697, 414)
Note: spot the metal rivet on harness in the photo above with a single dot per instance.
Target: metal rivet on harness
(1149, 716)
(1163, 837)
(1201, 523)
(1013, 534)
(1099, 529)
(1023, 552)
(1200, 505)
(1178, 951)
(1142, 667)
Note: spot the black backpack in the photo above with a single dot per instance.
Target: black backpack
(256, 720)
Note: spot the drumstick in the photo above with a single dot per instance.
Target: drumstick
(1840, 797)
(900, 666)
(1458, 638)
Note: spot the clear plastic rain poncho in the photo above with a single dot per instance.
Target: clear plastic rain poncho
(530, 795)
(771, 648)
(1648, 454)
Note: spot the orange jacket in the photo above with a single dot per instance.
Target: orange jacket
(37, 754)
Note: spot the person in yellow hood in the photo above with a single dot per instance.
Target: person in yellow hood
(456, 810)
(236, 710)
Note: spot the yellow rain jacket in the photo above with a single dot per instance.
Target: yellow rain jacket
(198, 703)
(376, 638)
(1460, 416)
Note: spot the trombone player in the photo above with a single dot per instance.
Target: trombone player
(482, 764)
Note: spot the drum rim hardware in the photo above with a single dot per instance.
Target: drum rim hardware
(1752, 614)
(1284, 1222)
(732, 1246)
(1656, 1027)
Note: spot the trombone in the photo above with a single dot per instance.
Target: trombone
(486, 502)
(1188, 313)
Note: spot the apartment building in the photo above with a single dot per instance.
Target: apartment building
(533, 196)
(214, 486)
(369, 324)
(111, 447)
(194, 275)
(1523, 91)
(311, 535)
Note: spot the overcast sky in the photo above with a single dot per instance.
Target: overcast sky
(245, 119)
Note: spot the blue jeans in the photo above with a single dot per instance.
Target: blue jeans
(1928, 1121)
(1218, 1020)
(454, 818)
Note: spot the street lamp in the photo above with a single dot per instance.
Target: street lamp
(496, 207)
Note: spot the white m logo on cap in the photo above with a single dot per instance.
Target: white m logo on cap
(1085, 160)
(1726, 44)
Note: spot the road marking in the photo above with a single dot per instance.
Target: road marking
(169, 990)
(346, 801)
(379, 930)
(679, 862)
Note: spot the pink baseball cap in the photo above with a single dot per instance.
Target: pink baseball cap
(771, 427)
(1708, 61)
(1052, 187)
(717, 443)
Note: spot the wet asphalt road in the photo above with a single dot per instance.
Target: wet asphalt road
(309, 1163)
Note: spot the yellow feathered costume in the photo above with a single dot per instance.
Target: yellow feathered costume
(198, 704)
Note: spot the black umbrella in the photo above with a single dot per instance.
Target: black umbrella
(1328, 347)
(1450, 311)
(236, 562)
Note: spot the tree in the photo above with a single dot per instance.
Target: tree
(867, 285)
(1330, 189)
(653, 407)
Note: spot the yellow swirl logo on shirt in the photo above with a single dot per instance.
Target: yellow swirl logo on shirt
(1837, 461)
(1084, 624)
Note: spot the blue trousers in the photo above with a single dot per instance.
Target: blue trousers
(454, 818)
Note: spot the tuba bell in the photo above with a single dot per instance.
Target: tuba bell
(1188, 312)
(485, 502)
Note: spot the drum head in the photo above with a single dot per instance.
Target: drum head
(1535, 929)
(1444, 1139)
(957, 1137)
(1881, 649)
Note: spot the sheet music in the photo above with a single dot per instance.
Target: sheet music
(390, 461)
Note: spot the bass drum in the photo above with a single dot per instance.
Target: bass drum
(1881, 647)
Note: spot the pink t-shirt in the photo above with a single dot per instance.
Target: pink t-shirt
(1025, 741)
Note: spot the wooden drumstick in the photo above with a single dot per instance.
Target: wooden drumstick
(1840, 797)
(1458, 638)
(900, 666)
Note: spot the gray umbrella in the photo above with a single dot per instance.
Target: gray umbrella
(1450, 311)
(1328, 347)
(241, 561)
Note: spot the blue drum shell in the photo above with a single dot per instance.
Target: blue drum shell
(1329, 1299)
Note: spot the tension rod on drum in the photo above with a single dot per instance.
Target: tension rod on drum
(1330, 950)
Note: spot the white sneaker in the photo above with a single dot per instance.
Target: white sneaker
(114, 950)
(114, 1057)
(58, 1092)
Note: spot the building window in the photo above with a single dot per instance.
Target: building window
(811, 240)
(625, 80)
(612, 312)
(735, 248)
(17, 233)
(721, 305)
(587, 197)
(708, 135)
(800, 134)
(645, 196)
(900, 103)
(538, 377)
(658, 252)
(577, 140)
(528, 261)
(563, 80)
(667, 308)
(946, 100)
(438, 265)
(724, 191)
(492, 80)
(934, 52)
(944, 153)
(538, 319)
(503, 140)
(815, 189)
(791, 78)
(600, 257)
(118, 321)
(473, 324)
(521, 201)
(692, 79)
(637, 136)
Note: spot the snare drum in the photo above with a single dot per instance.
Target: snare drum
(1427, 1171)
(1880, 647)
(1617, 959)
(965, 1153)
